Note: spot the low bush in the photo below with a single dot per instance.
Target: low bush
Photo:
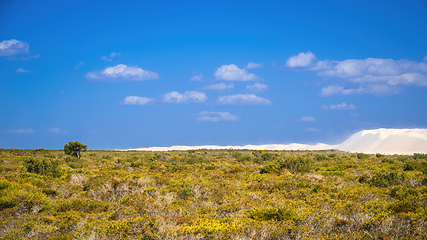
(269, 168)
(186, 193)
(415, 166)
(43, 166)
(420, 156)
(386, 179)
(74, 162)
(298, 164)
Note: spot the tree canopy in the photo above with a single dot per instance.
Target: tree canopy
(74, 148)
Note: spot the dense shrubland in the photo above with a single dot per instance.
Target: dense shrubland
(211, 194)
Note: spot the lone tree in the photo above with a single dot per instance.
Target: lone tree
(74, 148)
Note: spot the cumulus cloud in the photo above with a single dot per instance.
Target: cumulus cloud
(375, 70)
(307, 119)
(243, 99)
(13, 47)
(258, 87)
(112, 55)
(366, 71)
(57, 130)
(234, 73)
(122, 72)
(21, 70)
(219, 86)
(20, 131)
(206, 116)
(197, 78)
(187, 97)
(341, 106)
(134, 100)
(301, 60)
(254, 65)
(376, 89)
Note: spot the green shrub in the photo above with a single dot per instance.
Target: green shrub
(4, 184)
(362, 156)
(83, 205)
(277, 214)
(299, 164)
(415, 166)
(268, 156)
(387, 160)
(363, 178)
(269, 168)
(210, 167)
(240, 157)
(74, 162)
(420, 156)
(385, 179)
(43, 166)
(320, 157)
(186, 193)
(403, 206)
(50, 192)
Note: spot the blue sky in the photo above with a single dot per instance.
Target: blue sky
(126, 74)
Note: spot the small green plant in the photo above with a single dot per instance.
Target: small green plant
(186, 193)
(277, 214)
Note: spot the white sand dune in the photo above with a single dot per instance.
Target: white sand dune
(385, 141)
(292, 146)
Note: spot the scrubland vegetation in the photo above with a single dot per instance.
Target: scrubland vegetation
(45, 194)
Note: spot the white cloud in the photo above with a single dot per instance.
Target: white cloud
(425, 58)
(219, 86)
(187, 97)
(375, 70)
(254, 65)
(341, 106)
(20, 131)
(21, 70)
(243, 99)
(259, 87)
(27, 58)
(376, 89)
(234, 73)
(134, 100)
(112, 55)
(122, 72)
(57, 130)
(13, 47)
(312, 130)
(215, 116)
(301, 60)
(197, 78)
(369, 70)
(78, 65)
(307, 119)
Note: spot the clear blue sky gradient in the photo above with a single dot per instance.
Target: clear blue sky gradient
(47, 97)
